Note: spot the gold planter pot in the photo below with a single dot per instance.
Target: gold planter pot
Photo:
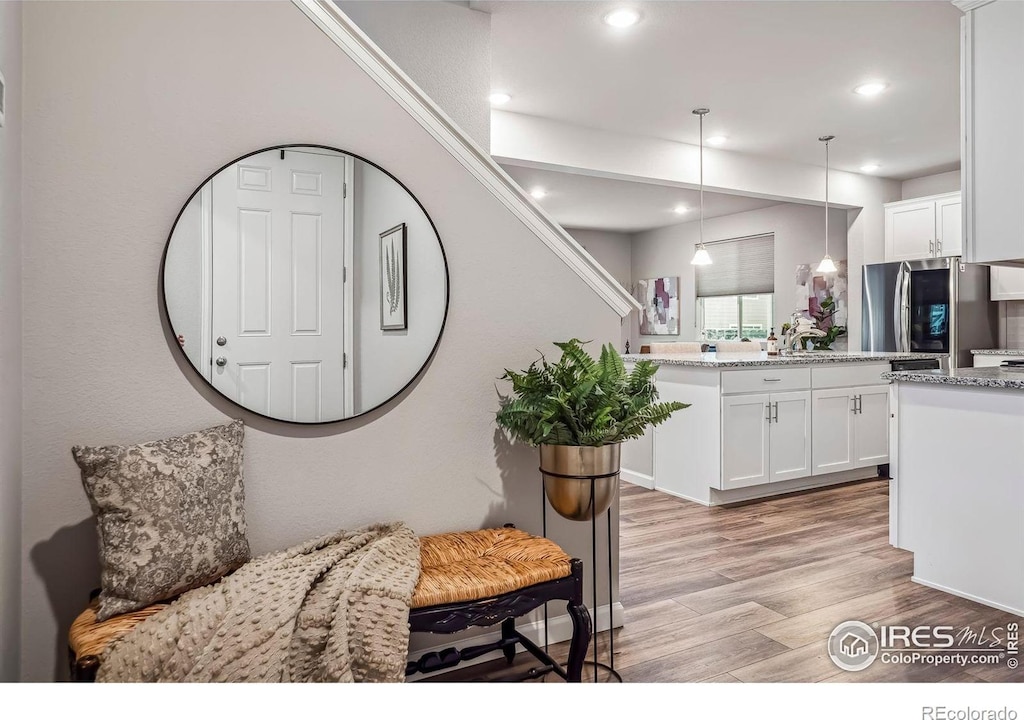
(569, 472)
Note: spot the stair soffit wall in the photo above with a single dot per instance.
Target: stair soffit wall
(375, 63)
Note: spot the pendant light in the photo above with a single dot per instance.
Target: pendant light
(826, 265)
(701, 256)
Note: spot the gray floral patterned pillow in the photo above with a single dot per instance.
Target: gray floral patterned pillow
(170, 514)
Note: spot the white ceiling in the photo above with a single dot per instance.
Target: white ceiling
(595, 203)
(775, 75)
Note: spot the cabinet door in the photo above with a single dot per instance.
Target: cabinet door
(910, 231)
(871, 426)
(1006, 283)
(993, 115)
(790, 435)
(744, 441)
(949, 227)
(832, 438)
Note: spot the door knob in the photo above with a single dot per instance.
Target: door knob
(222, 341)
(222, 361)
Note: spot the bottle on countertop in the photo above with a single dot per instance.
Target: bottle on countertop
(773, 343)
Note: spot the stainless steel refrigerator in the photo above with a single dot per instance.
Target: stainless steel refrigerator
(939, 305)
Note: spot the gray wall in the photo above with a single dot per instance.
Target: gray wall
(10, 342)
(183, 272)
(931, 185)
(799, 239)
(108, 163)
(386, 360)
(444, 47)
(613, 250)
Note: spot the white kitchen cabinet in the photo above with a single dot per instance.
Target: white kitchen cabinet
(871, 426)
(1006, 283)
(789, 435)
(765, 438)
(923, 228)
(949, 226)
(745, 440)
(832, 448)
(851, 428)
(992, 102)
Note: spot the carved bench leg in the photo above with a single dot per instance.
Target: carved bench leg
(581, 632)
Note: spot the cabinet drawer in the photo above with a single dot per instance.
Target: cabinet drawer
(765, 380)
(848, 375)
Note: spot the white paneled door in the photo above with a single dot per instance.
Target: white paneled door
(871, 426)
(278, 284)
(834, 414)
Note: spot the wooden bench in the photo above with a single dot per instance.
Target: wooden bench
(469, 579)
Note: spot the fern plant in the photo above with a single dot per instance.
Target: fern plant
(582, 401)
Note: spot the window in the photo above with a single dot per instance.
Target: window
(722, 316)
(735, 294)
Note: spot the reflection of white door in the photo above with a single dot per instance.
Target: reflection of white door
(279, 230)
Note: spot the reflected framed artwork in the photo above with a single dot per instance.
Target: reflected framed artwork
(660, 300)
(393, 285)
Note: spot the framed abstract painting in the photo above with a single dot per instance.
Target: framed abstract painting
(660, 300)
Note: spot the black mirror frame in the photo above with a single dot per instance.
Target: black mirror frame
(444, 260)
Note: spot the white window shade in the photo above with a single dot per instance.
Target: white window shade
(744, 266)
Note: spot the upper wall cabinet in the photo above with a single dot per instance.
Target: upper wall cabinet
(923, 228)
(992, 57)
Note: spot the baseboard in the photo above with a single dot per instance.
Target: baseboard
(559, 630)
(967, 596)
(646, 481)
(705, 503)
(756, 492)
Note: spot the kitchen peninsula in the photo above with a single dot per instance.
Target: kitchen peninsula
(959, 481)
(762, 425)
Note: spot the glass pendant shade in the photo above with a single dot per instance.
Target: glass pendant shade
(826, 265)
(701, 256)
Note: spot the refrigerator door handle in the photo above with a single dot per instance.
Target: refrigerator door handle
(897, 310)
(905, 309)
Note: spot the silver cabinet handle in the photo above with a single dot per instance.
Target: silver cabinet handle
(853, 404)
(776, 415)
(222, 361)
(931, 247)
(857, 403)
(773, 379)
(768, 412)
(938, 247)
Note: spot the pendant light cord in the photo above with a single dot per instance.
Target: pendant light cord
(826, 196)
(701, 116)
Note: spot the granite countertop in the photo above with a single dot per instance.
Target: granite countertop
(987, 377)
(762, 359)
(999, 351)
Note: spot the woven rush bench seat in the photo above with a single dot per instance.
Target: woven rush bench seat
(473, 578)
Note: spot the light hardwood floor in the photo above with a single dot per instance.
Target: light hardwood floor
(750, 593)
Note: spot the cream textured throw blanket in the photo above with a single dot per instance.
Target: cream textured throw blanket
(334, 609)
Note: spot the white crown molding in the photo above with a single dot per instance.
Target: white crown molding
(968, 5)
(347, 36)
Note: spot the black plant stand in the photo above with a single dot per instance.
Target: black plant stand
(610, 665)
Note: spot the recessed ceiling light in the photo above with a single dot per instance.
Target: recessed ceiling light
(622, 18)
(680, 209)
(870, 89)
(500, 98)
(717, 140)
(538, 192)
(870, 167)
